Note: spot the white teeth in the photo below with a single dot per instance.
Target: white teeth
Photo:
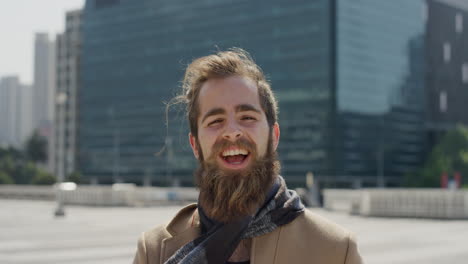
(234, 152)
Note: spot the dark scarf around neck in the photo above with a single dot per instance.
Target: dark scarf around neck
(218, 241)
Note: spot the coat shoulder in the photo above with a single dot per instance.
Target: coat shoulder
(149, 249)
(313, 237)
(149, 245)
(321, 227)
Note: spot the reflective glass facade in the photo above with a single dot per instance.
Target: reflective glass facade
(348, 76)
(380, 87)
(134, 55)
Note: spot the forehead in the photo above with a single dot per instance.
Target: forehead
(227, 93)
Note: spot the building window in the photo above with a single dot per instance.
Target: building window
(447, 52)
(443, 101)
(105, 3)
(459, 23)
(465, 72)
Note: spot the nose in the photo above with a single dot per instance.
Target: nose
(232, 132)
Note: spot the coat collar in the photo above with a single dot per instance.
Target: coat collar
(185, 219)
(184, 228)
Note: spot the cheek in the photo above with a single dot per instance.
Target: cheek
(264, 145)
(261, 139)
(206, 143)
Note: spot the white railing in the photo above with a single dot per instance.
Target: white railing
(424, 203)
(427, 203)
(148, 196)
(116, 195)
(32, 192)
(344, 200)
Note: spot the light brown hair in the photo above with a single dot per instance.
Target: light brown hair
(223, 64)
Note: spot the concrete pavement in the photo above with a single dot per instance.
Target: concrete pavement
(29, 233)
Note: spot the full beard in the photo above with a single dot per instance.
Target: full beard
(228, 195)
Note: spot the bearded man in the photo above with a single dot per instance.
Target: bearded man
(245, 213)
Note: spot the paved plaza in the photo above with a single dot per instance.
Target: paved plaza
(29, 233)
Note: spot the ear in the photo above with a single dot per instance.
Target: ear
(276, 135)
(193, 144)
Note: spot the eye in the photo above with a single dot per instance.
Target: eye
(214, 122)
(248, 118)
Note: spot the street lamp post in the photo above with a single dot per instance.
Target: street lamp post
(60, 101)
(116, 147)
(116, 170)
(381, 155)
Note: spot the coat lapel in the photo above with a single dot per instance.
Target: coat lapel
(185, 227)
(172, 244)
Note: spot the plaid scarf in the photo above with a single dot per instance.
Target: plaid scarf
(218, 241)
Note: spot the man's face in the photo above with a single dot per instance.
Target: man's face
(236, 149)
(230, 111)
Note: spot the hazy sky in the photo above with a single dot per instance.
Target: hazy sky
(19, 20)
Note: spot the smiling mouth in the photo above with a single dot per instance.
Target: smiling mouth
(235, 158)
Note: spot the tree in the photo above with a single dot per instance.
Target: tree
(15, 168)
(74, 177)
(450, 155)
(43, 178)
(5, 178)
(7, 165)
(36, 148)
(11, 152)
(25, 173)
(10, 162)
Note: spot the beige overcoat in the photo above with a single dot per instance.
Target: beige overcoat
(308, 239)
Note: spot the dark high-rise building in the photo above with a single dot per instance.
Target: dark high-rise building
(348, 77)
(447, 65)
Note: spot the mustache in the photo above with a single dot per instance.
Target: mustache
(227, 196)
(222, 144)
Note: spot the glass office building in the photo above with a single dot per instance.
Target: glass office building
(134, 55)
(380, 88)
(334, 71)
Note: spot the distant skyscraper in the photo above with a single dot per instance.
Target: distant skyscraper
(447, 65)
(15, 112)
(43, 80)
(67, 71)
(43, 91)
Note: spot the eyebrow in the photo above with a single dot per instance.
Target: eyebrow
(212, 112)
(247, 107)
(239, 108)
